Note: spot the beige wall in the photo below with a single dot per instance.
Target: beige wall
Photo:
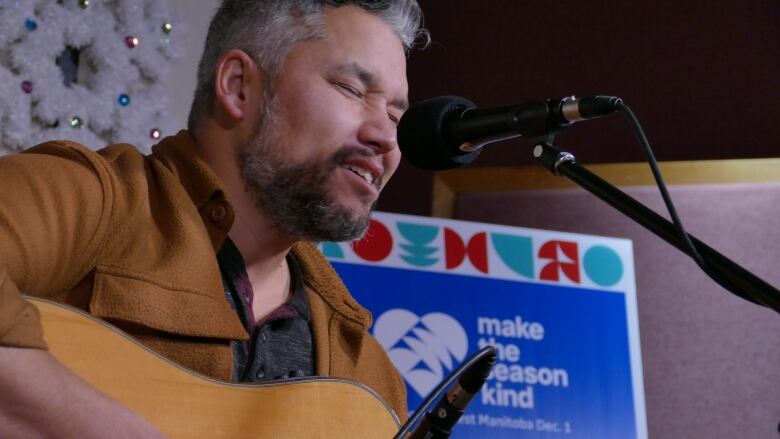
(710, 360)
(195, 16)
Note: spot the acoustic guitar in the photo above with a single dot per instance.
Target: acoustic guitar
(184, 404)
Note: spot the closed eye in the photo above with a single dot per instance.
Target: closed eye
(350, 89)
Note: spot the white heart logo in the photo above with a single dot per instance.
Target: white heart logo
(421, 347)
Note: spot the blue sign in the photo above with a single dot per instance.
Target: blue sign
(559, 308)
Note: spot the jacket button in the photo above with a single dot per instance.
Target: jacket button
(218, 213)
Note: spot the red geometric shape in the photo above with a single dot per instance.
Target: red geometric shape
(570, 267)
(376, 244)
(455, 250)
(477, 250)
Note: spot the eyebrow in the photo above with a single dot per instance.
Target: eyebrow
(369, 80)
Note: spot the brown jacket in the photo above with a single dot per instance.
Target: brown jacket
(132, 239)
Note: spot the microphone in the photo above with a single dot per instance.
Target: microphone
(449, 131)
(438, 423)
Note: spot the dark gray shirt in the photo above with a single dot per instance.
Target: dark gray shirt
(279, 346)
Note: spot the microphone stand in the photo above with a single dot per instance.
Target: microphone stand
(746, 285)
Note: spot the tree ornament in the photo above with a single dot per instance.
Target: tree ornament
(155, 133)
(76, 122)
(27, 87)
(124, 100)
(83, 4)
(131, 42)
(167, 28)
(31, 24)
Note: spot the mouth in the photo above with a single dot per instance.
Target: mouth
(362, 173)
(366, 169)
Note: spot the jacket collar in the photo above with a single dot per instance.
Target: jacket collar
(180, 155)
(322, 278)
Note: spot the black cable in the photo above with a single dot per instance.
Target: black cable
(693, 251)
(439, 390)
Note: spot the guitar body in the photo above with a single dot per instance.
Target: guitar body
(184, 404)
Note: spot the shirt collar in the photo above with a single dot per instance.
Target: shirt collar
(298, 301)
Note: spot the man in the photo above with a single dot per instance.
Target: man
(198, 250)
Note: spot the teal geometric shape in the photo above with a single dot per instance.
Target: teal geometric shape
(516, 252)
(419, 261)
(332, 250)
(418, 250)
(418, 233)
(603, 265)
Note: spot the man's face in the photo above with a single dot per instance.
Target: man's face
(326, 142)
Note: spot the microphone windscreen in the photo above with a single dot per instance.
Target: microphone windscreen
(474, 377)
(425, 139)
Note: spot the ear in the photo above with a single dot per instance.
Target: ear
(238, 85)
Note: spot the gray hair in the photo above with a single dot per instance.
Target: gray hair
(267, 29)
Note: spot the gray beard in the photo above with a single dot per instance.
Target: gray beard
(295, 197)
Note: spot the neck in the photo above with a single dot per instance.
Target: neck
(262, 245)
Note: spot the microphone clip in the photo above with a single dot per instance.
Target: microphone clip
(549, 156)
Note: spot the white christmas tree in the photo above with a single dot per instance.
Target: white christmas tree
(92, 71)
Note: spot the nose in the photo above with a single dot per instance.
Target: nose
(378, 132)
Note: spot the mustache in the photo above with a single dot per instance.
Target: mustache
(349, 151)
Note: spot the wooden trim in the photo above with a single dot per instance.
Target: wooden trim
(448, 184)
